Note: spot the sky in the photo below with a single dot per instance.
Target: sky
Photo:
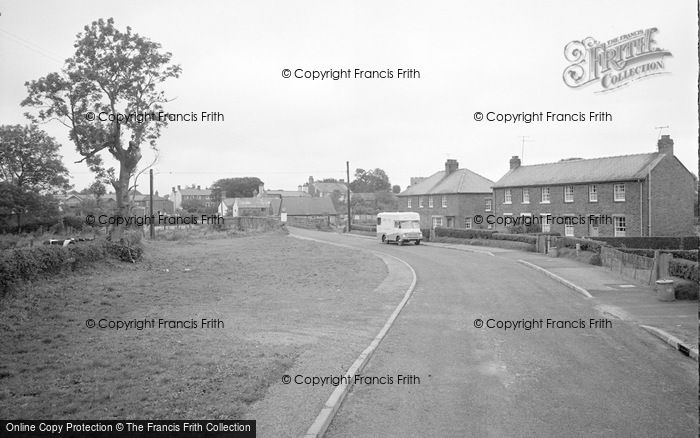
(502, 57)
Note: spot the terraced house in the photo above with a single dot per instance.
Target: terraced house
(449, 198)
(632, 195)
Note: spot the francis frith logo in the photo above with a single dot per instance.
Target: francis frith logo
(616, 62)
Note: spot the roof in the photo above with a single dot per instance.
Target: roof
(286, 193)
(308, 206)
(228, 202)
(364, 196)
(195, 192)
(330, 187)
(459, 181)
(252, 203)
(580, 171)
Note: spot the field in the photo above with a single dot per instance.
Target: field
(275, 297)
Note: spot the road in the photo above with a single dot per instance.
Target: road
(609, 381)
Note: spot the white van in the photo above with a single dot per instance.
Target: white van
(399, 227)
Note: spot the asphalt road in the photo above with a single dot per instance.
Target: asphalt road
(614, 381)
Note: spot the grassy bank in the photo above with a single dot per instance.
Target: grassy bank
(264, 289)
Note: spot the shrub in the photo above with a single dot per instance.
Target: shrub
(685, 289)
(426, 234)
(515, 238)
(570, 242)
(463, 234)
(366, 228)
(684, 269)
(21, 265)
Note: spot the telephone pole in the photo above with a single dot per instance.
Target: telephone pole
(150, 203)
(347, 196)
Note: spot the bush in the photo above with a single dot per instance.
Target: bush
(27, 264)
(688, 242)
(366, 228)
(515, 238)
(684, 269)
(570, 242)
(463, 234)
(426, 234)
(685, 289)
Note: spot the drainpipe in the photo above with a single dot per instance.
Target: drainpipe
(649, 202)
(641, 208)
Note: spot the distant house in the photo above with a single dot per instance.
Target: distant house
(226, 207)
(75, 203)
(449, 198)
(325, 189)
(251, 207)
(309, 208)
(642, 195)
(191, 194)
(285, 193)
(161, 205)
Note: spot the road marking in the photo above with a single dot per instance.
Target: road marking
(627, 285)
(561, 280)
(332, 405)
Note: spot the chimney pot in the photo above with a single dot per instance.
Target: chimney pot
(665, 144)
(178, 187)
(199, 187)
(514, 162)
(450, 166)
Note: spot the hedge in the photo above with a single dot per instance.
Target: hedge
(27, 264)
(483, 234)
(570, 242)
(463, 234)
(685, 254)
(684, 269)
(687, 242)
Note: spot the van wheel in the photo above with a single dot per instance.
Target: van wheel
(417, 242)
(383, 238)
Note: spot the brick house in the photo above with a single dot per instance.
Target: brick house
(635, 195)
(449, 198)
(191, 194)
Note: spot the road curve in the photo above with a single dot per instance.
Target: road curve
(614, 381)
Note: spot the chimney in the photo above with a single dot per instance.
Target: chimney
(223, 194)
(451, 166)
(173, 189)
(311, 180)
(178, 188)
(665, 144)
(261, 189)
(199, 187)
(514, 162)
(300, 188)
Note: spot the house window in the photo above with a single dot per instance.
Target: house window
(489, 204)
(620, 226)
(507, 198)
(568, 193)
(568, 229)
(526, 196)
(444, 201)
(619, 192)
(430, 202)
(546, 225)
(420, 202)
(545, 195)
(468, 223)
(437, 221)
(409, 203)
(592, 193)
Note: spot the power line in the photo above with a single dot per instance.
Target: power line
(29, 45)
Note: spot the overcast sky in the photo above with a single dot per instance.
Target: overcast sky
(505, 57)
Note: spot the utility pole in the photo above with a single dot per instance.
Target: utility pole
(150, 203)
(347, 196)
